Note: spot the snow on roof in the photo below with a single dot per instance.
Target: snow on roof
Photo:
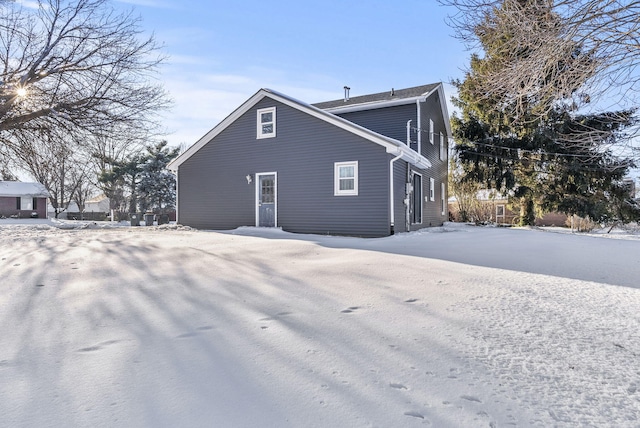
(19, 188)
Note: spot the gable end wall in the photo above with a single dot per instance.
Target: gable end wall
(213, 192)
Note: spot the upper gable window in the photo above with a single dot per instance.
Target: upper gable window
(443, 153)
(267, 122)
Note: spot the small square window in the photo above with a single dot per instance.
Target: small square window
(266, 123)
(345, 178)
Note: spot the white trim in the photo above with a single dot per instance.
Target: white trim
(392, 214)
(336, 179)
(257, 196)
(259, 130)
(443, 151)
(432, 189)
(392, 146)
(502, 216)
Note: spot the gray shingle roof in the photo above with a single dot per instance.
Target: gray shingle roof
(390, 95)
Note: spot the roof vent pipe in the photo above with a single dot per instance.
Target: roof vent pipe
(393, 92)
(346, 93)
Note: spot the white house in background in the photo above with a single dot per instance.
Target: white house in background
(98, 204)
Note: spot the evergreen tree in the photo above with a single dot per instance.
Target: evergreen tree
(545, 156)
(157, 187)
(119, 181)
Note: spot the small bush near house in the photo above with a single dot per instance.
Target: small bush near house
(581, 224)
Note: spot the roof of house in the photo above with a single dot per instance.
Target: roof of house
(392, 146)
(18, 188)
(99, 198)
(407, 94)
(394, 97)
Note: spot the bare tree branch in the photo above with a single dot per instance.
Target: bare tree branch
(582, 54)
(78, 65)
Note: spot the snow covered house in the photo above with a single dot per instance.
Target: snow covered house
(23, 200)
(364, 166)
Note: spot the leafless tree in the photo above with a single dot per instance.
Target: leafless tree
(581, 54)
(55, 161)
(77, 66)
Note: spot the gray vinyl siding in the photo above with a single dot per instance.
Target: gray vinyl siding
(213, 192)
(389, 121)
(432, 210)
(392, 122)
(399, 193)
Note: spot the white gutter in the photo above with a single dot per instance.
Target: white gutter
(372, 105)
(411, 156)
(391, 190)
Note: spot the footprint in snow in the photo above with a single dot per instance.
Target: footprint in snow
(470, 398)
(275, 317)
(411, 300)
(186, 335)
(397, 386)
(350, 309)
(205, 328)
(99, 346)
(414, 415)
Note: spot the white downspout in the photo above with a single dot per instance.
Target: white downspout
(391, 190)
(419, 127)
(408, 133)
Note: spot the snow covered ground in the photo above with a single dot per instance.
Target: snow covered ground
(458, 326)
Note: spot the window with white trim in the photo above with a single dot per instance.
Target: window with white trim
(442, 198)
(266, 122)
(345, 178)
(431, 131)
(443, 153)
(432, 189)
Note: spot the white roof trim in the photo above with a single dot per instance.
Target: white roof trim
(373, 105)
(443, 107)
(391, 145)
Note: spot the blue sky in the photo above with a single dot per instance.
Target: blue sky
(221, 53)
